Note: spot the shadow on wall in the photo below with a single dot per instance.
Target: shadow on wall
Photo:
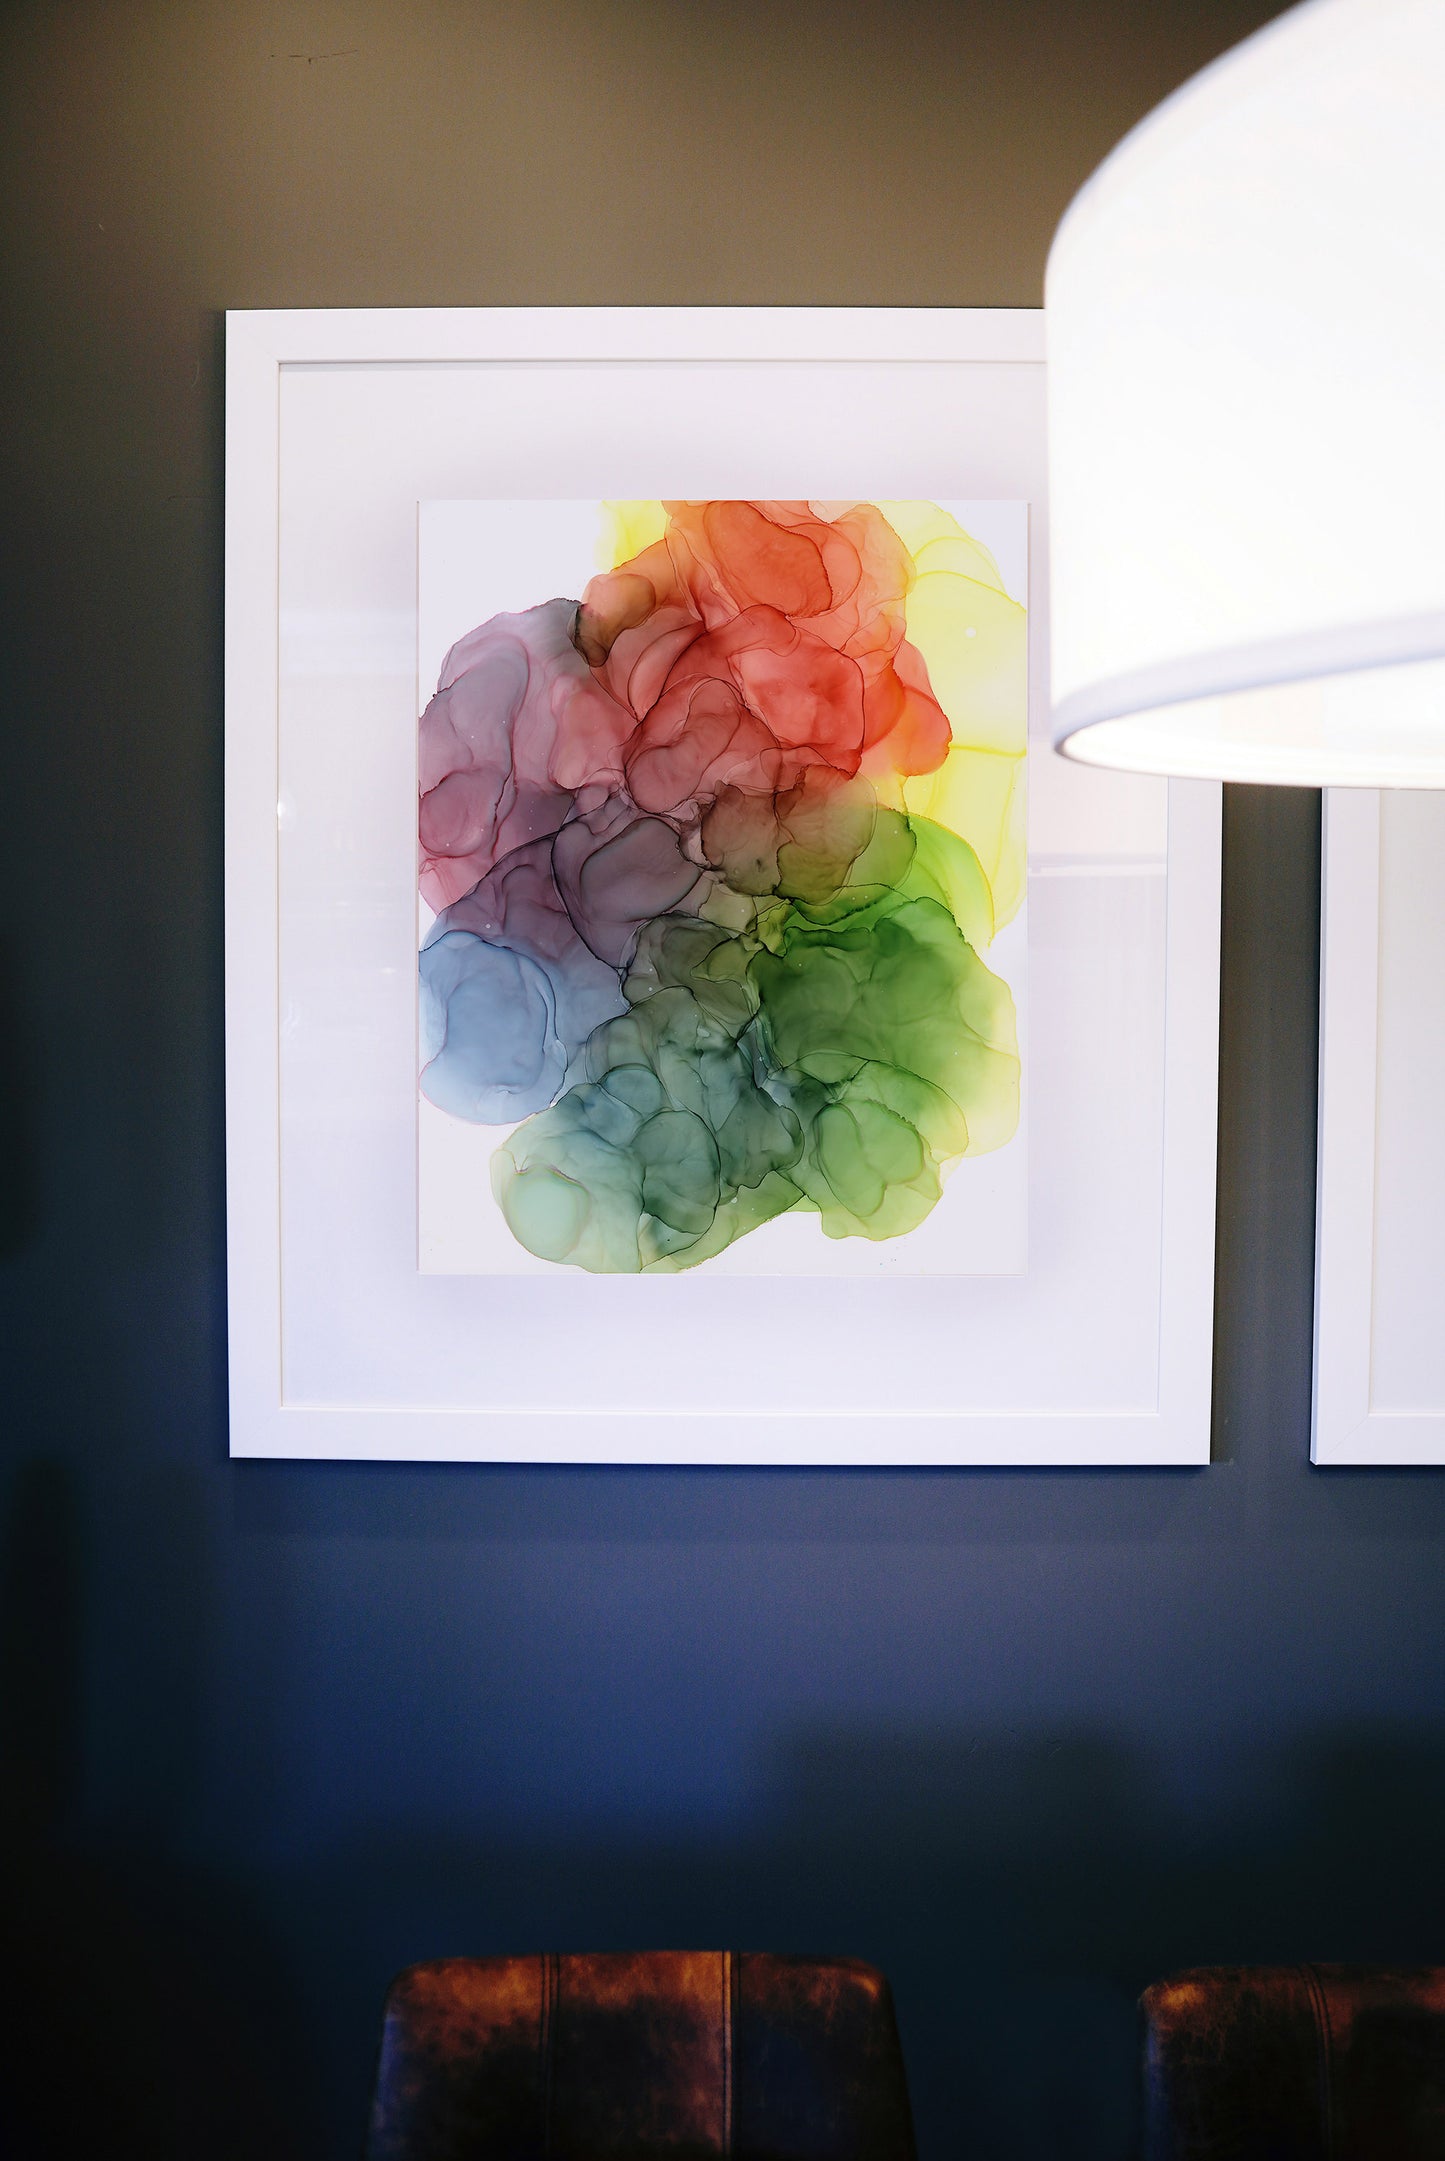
(142, 2011)
(19, 1185)
(1018, 1886)
(1018, 1890)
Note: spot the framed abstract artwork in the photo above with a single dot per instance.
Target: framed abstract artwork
(678, 1009)
(1379, 1383)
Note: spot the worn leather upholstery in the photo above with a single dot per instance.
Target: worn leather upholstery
(1296, 2063)
(640, 2056)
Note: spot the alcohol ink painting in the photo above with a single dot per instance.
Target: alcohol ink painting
(722, 875)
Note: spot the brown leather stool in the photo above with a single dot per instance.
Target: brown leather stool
(678, 2055)
(1295, 2063)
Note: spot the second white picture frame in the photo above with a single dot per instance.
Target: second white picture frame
(1379, 1378)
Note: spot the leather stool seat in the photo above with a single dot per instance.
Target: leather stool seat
(641, 2056)
(1296, 2063)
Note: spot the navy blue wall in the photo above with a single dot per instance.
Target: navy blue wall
(271, 1731)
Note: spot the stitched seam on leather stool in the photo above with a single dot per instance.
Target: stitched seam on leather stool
(727, 2053)
(546, 2042)
(1324, 2038)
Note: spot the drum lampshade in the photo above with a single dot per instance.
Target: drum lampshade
(1246, 340)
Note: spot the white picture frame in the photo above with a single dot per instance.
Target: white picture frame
(945, 403)
(1379, 1350)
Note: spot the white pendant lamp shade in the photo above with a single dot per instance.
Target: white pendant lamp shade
(1246, 336)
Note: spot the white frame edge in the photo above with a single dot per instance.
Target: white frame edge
(253, 1080)
(1176, 1432)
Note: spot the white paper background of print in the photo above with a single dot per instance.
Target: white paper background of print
(478, 559)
